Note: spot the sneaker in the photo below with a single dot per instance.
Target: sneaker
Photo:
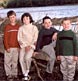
(15, 77)
(9, 78)
(26, 78)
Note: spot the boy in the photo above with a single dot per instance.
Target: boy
(46, 36)
(11, 46)
(66, 50)
(27, 37)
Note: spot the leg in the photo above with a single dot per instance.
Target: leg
(7, 62)
(28, 60)
(51, 53)
(63, 67)
(14, 61)
(71, 68)
(21, 59)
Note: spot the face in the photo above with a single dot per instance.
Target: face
(47, 23)
(66, 24)
(26, 20)
(12, 18)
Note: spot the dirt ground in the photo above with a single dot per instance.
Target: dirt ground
(56, 75)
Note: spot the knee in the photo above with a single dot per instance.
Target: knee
(53, 58)
(21, 60)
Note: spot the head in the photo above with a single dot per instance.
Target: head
(12, 16)
(47, 23)
(66, 23)
(26, 18)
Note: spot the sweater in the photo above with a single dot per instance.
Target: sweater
(45, 37)
(10, 36)
(66, 44)
(27, 35)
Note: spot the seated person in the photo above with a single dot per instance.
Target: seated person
(45, 42)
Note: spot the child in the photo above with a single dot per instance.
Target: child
(27, 37)
(11, 46)
(66, 50)
(46, 36)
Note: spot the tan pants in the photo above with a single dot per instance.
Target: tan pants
(11, 61)
(68, 67)
(25, 59)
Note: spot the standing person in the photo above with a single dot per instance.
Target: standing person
(27, 37)
(67, 50)
(46, 37)
(11, 46)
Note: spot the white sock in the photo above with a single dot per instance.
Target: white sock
(26, 74)
(25, 78)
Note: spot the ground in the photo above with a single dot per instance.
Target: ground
(56, 76)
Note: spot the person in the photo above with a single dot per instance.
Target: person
(46, 42)
(11, 46)
(27, 37)
(67, 50)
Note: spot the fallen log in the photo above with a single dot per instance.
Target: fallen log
(40, 56)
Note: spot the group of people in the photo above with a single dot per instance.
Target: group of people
(22, 42)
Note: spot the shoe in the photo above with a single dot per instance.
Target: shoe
(26, 78)
(9, 78)
(15, 77)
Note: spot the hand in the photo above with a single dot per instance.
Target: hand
(8, 50)
(75, 58)
(54, 36)
(27, 48)
(35, 53)
(58, 58)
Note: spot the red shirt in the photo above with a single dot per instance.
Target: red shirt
(10, 36)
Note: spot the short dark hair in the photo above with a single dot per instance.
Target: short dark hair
(27, 15)
(46, 17)
(65, 19)
(11, 12)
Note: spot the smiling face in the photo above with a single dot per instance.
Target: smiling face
(12, 18)
(47, 23)
(26, 20)
(66, 24)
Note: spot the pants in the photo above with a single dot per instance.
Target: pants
(11, 61)
(68, 67)
(49, 49)
(25, 59)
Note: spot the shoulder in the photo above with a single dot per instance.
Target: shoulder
(7, 26)
(71, 32)
(34, 26)
(21, 27)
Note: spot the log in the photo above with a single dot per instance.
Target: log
(40, 56)
(38, 70)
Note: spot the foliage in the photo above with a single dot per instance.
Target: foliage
(37, 3)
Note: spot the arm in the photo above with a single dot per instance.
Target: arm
(20, 38)
(57, 46)
(35, 36)
(54, 37)
(75, 45)
(39, 40)
(6, 39)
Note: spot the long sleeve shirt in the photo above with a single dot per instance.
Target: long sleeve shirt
(66, 44)
(45, 37)
(27, 35)
(10, 36)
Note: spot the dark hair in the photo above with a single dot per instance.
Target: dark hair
(46, 17)
(27, 15)
(11, 12)
(65, 19)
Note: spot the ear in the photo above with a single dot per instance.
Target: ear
(43, 24)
